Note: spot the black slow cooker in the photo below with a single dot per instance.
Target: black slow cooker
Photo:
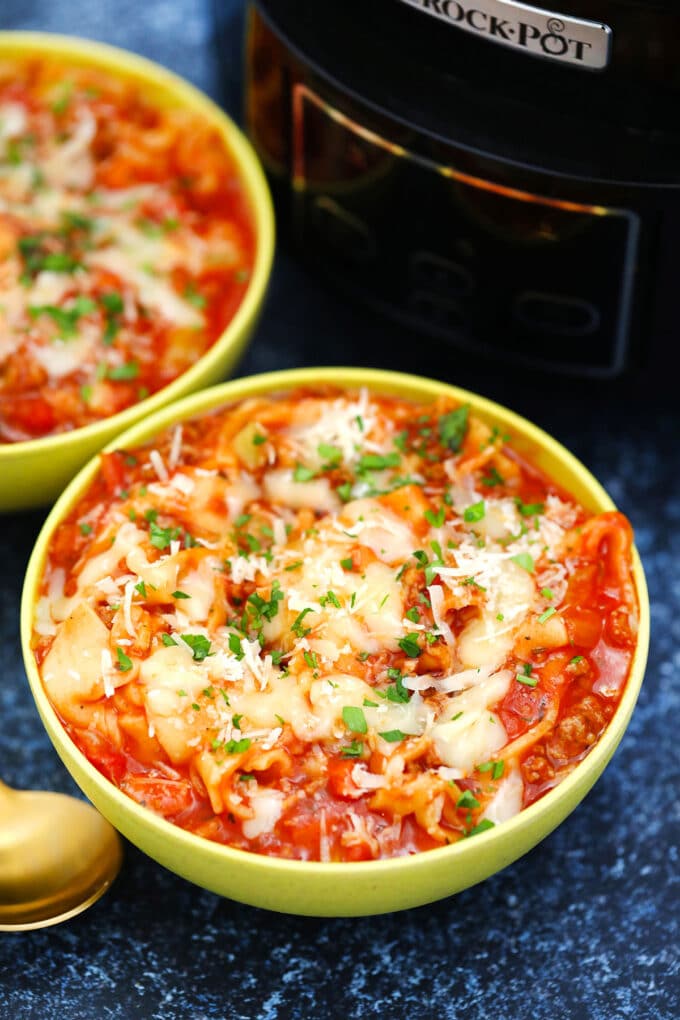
(503, 178)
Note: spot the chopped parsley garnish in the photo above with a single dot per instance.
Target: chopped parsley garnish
(544, 617)
(453, 426)
(85, 528)
(377, 462)
(436, 519)
(353, 750)
(409, 645)
(370, 704)
(199, 645)
(124, 663)
(396, 692)
(547, 593)
(237, 746)
(236, 720)
(344, 491)
(302, 473)
(498, 769)
(400, 440)
(475, 512)
(392, 736)
(297, 627)
(485, 824)
(412, 614)
(528, 681)
(168, 640)
(467, 799)
(310, 659)
(141, 588)
(354, 719)
(180, 595)
(262, 607)
(112, 302)
(493, 478)
(330, 598)
(332, 455)
(576, 658)
(347, 564)
(120, 373)
(524, 560)
(235, 646)
(65, 319)
(162, 537)
(529, 509)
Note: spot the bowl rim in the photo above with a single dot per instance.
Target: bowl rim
(379, 380)
(125, 63)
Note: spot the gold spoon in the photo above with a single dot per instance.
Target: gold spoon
(57, 856)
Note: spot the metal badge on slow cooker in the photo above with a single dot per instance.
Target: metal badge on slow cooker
(534, 30)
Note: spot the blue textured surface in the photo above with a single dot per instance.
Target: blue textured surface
(585, 925)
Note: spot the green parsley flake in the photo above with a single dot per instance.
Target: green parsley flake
(377, 462)
(354, 719)
(392, 736)
(493, 478)
(297, 627)
(302, 473)
(121, 373)
(467, 799)
(524, 560)
(161, 537)
(199, 645)
(475, 512)
(436, 519)
(529, 509)
(124, 663)
(485, 824)
(353, 750)
(409, 645)
(453, 426)
(237, 746)
(235, 646)
(168, 640)
(332, 455)
(544, 617)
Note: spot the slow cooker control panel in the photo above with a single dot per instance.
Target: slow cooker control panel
(477, 263)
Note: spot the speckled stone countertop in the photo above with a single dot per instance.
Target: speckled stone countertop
(586, 925)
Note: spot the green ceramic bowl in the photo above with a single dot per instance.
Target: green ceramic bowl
(34, 472)
(320, 889)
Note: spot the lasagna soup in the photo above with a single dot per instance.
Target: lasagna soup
(125, 245)
(334, 625)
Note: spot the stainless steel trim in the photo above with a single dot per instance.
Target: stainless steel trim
(532, 30)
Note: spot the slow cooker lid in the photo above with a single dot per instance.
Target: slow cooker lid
(618, 124)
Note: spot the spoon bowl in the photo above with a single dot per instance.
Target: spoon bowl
(57, 856)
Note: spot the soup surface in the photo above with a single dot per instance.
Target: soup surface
(126, 245)
(334, 625)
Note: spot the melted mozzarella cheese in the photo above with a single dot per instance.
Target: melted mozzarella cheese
(471, 732)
